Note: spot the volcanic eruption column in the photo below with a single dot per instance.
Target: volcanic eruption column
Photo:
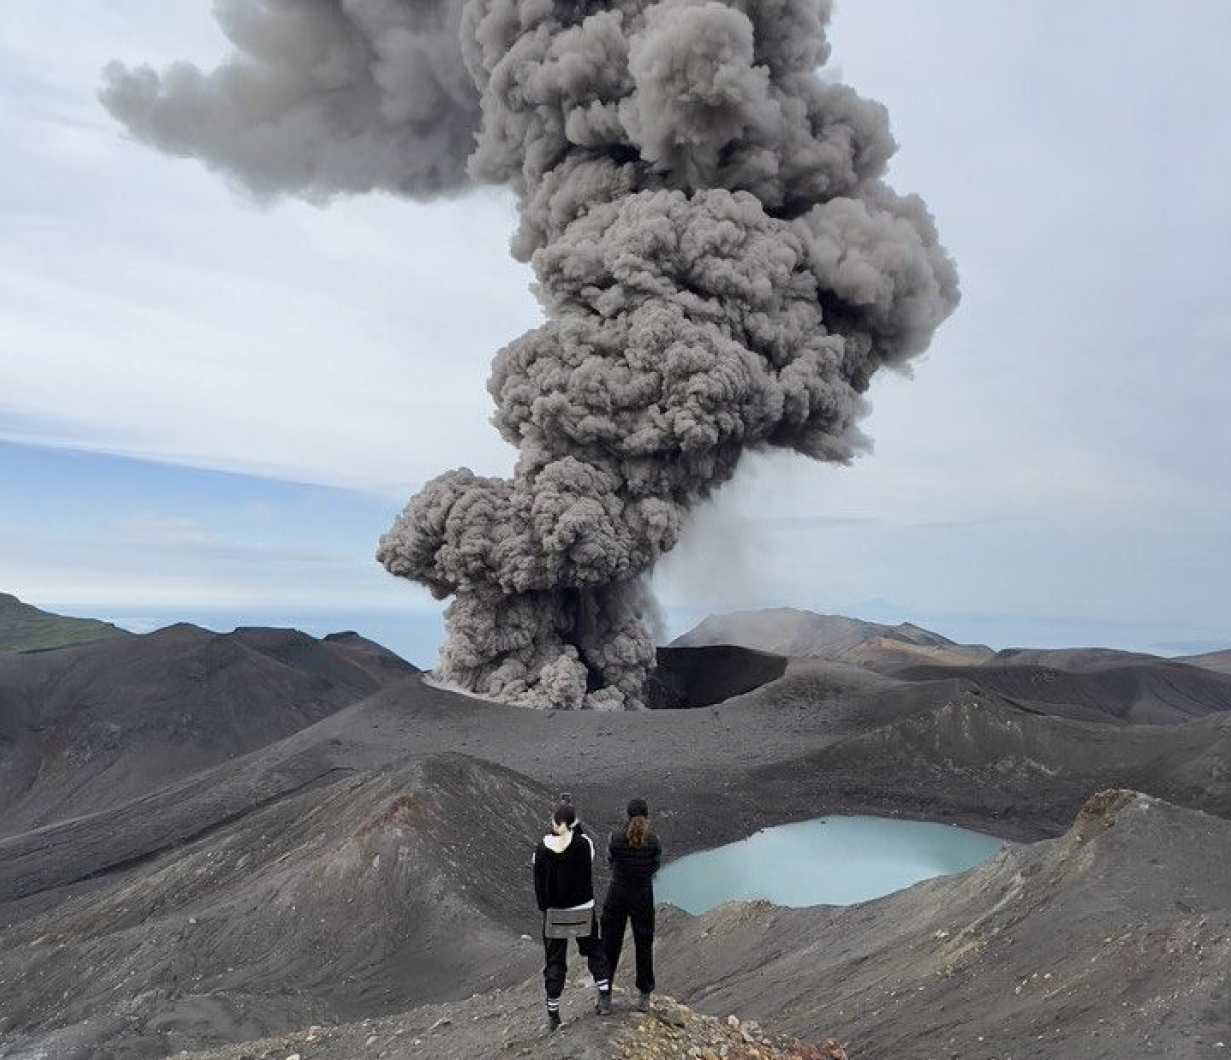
(719, 261)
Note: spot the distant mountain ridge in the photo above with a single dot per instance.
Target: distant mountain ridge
(1218, 661)
(1085, 684)
(805, 634)
(90, 726)
(24, 627)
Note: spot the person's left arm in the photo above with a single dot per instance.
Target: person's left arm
(540, 879)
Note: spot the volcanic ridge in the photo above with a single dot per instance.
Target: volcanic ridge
(320, 839)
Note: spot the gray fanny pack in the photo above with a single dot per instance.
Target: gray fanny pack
(568, 923)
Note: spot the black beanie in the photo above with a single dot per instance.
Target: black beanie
(638, 808)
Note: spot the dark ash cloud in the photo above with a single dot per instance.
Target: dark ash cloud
(721, 265)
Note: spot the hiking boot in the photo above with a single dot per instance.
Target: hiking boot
(553, 1020)
(644, 1002)
(603, 1005)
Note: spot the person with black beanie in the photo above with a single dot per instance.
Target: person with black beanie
(564, 889)
(634, 854)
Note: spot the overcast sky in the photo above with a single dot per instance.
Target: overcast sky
(212, 407)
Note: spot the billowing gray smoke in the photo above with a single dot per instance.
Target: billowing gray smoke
(720, 264)
(323, 96)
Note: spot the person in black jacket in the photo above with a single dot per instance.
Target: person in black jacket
(563, 881)
(634, 854)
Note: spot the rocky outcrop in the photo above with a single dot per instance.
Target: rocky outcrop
(509, 1024)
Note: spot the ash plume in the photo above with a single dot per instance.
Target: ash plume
(320, 97)
(721, 266)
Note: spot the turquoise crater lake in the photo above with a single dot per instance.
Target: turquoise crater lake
(827, 861)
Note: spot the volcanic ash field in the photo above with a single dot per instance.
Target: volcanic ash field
(259, 837)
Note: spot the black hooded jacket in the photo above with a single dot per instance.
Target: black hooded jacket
(562, 878)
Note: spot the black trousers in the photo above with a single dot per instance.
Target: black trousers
(638, 906)
(555, 966)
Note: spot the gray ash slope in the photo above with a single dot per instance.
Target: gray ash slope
(90, 726)
(359, 892)
(1153, 692)
(1111, 941)
(273, 850)
(1061, 948)
(1219, 661)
